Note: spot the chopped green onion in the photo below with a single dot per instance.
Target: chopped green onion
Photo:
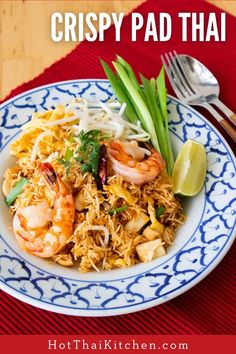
(66, 164)
(68, 154)
(66, 161)
(118, 210)
(16, 191)
(71, 139)
(159, 211)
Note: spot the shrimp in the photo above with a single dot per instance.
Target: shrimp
(41, 230)
(131, 170)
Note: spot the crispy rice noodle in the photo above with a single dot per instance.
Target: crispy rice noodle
(99, 241)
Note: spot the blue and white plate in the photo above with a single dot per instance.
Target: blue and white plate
(199, 246)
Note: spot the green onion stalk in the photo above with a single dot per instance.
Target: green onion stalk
(146, 104)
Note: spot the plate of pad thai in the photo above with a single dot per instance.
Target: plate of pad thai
(111, 195)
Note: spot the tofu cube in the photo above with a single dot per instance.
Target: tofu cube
(150, 250)
(137, 223)
(159, 252)
(151, 234)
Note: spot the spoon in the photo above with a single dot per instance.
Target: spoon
(204, 83)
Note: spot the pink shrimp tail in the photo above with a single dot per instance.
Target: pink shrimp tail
(48, 174)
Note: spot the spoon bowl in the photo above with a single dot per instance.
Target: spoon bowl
(199, 76)
(204, 84)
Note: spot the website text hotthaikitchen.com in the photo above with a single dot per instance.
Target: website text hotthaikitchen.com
(110, 344)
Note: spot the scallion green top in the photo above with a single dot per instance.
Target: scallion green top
(147, 104)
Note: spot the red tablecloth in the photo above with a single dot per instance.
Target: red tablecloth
(208, 307)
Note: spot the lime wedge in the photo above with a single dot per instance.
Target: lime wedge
(189, 169)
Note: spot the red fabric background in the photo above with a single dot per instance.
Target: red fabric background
(208, 308)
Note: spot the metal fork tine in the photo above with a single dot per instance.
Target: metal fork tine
(180, 76)
(183, 72)
(171, 77)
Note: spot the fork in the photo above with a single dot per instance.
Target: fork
(186, 93)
